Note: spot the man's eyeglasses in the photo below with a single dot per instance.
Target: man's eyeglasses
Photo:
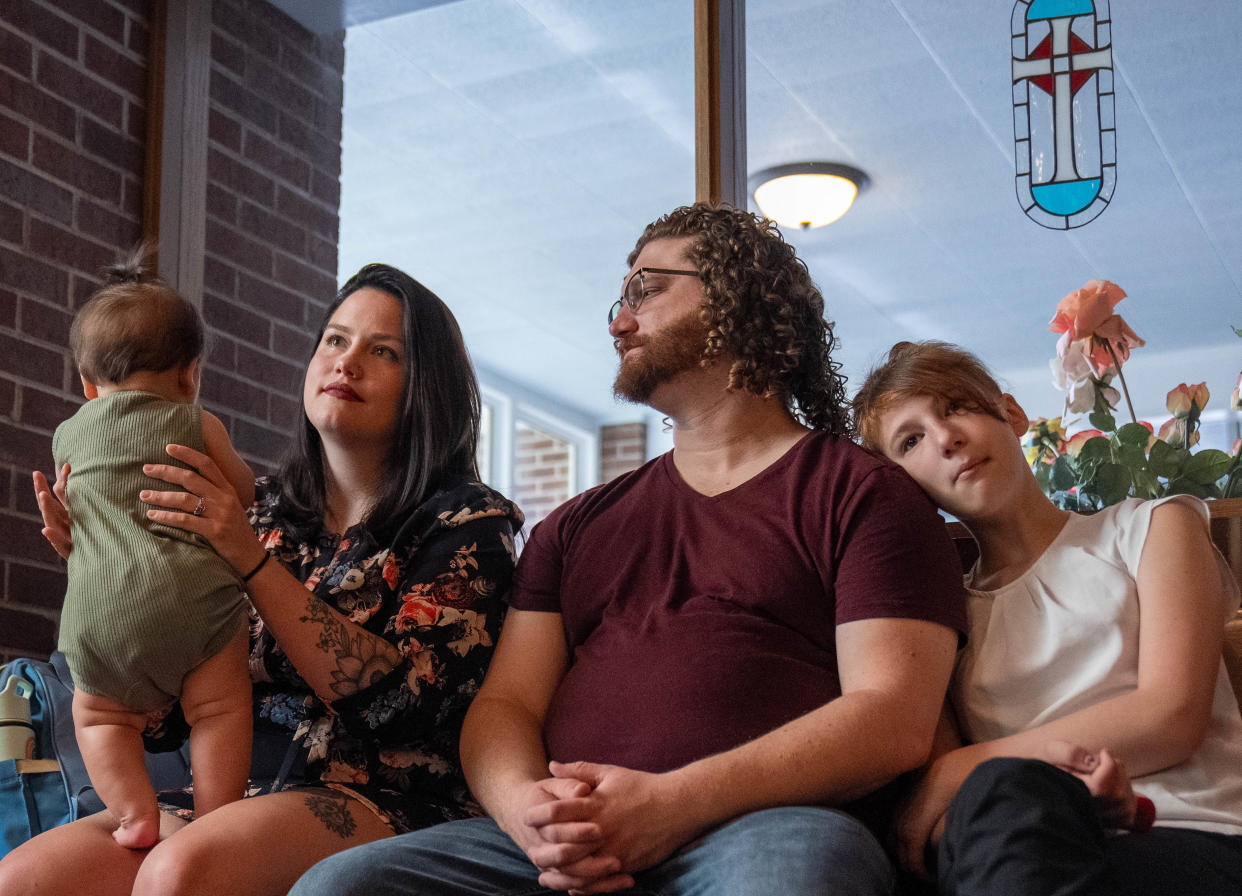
(634, 290)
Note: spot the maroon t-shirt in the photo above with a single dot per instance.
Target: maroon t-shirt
(698, 623)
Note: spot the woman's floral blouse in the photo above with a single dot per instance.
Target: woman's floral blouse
(438, 593)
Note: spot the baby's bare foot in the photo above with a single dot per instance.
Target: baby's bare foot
(139, 834)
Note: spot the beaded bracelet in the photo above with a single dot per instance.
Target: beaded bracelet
(250, 575)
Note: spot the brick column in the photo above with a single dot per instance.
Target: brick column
(72, 131)
(543, 472)
(622, 447)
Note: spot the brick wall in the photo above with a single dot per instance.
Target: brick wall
(72, 148)
(622, 447)
(543, 472)
(274, 165)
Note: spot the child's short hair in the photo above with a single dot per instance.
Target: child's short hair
(136, 321)
(913, 369)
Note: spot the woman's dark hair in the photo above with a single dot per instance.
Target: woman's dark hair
(762, 310)
(134, 322)
(437, 431)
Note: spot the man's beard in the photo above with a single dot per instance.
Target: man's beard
(675, 350)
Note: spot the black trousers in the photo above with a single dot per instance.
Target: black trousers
(1020, 827)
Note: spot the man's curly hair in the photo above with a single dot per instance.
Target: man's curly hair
(762, 310)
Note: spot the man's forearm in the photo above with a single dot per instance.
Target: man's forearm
(827, 757)
(894, 673)
(501, 750)
(830, 756)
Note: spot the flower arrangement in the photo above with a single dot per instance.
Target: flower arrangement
(1108, 463)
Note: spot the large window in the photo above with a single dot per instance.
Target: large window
(508, 154)
(919, 95)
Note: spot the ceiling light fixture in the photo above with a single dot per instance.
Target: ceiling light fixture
(806, 194)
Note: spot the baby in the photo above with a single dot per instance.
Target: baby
(152, 614)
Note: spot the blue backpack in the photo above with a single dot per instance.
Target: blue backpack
(53, 788)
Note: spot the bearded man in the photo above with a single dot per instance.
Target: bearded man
(710, 662)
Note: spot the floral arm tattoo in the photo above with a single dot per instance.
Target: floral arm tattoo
(360, 660)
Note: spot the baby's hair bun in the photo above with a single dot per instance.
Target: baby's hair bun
(135, 268)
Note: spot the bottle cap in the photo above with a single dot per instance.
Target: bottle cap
(16, 733)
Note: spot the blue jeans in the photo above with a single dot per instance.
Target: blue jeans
(801, 849)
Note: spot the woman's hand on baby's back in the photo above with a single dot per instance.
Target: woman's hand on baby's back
(205, 504)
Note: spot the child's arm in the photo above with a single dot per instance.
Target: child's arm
(217, 446)
(914, 828)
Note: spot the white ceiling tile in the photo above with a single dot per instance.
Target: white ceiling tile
(509, 153)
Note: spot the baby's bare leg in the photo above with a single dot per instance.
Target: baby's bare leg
(110, 738)
(216, 700)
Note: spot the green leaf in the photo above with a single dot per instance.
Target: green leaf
(1133, 456)
(1064, 475)
(1134, 434)
(1207, 466)
(1165, 460)
(1043, 475)
(1185, 486)
(1102, 420)
(1095, 450)
(1146, 485)
(1111, 483)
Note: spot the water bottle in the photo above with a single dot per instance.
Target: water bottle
(17, 737)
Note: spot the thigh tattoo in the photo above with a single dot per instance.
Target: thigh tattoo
(334, 812)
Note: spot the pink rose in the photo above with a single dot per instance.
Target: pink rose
(1120, 337)
(1178, 401)
(1081, 312)
(1183, 399)
(1174, 432)
(1078, 439)
(1151, 433)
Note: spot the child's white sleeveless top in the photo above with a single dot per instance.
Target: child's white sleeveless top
(1065, 635)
